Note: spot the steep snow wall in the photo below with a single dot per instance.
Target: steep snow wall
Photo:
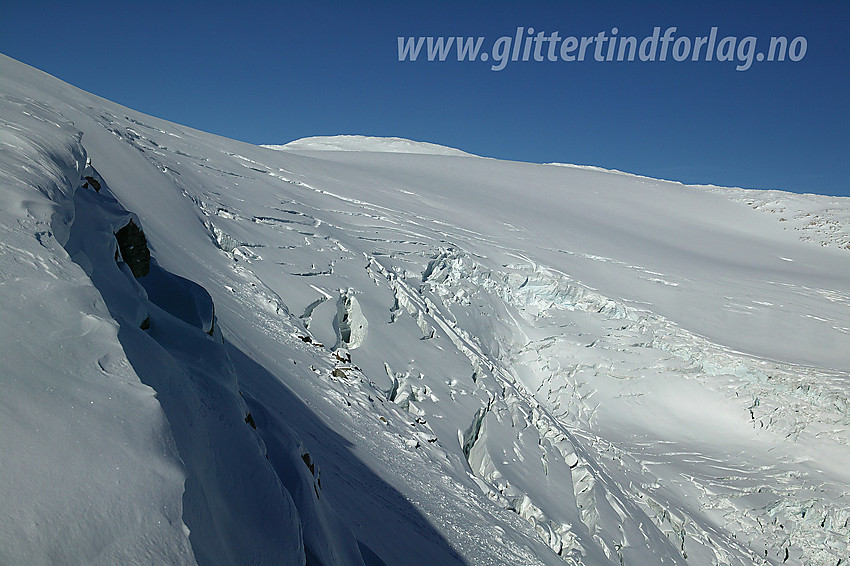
(90, 470)
(125, 439)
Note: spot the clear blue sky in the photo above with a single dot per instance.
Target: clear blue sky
(271, 72)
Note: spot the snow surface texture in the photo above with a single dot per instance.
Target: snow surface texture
(346, 351)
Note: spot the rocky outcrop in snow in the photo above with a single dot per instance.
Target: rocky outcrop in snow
(134, 249)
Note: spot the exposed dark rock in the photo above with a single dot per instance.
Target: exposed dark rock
(313, 469)
(211, 331)
(146, 323)
(309, 461)
(134, 249)
(250, 420)
(95, 184)
(338, 372)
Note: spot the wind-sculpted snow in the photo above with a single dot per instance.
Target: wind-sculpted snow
(79, 432)
(399, 354)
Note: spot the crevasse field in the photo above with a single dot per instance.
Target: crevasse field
(371, 351)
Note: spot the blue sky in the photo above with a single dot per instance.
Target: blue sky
(271, 72)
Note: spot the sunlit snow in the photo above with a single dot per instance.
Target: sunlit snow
(356, 350)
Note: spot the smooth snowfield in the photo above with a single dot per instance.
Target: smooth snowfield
(368, 143)
(360, 351)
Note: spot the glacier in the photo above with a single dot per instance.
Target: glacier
(358, 350)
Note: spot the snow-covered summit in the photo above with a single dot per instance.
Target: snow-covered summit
(369, 143)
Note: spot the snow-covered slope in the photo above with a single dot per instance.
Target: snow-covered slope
(374, 356)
